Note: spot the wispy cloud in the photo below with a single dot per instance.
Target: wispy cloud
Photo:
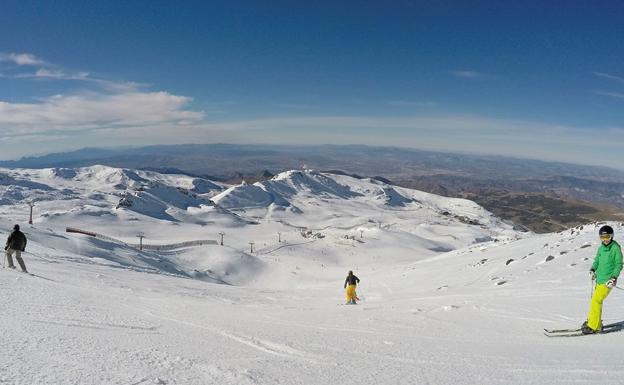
(466, 74)
(21, 59)
(613, 78)
(50, 71)
(617, 95)
(610, 77)
(56, 74)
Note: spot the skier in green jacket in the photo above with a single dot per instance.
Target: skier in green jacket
(605, 270)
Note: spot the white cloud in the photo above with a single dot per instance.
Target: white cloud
(96, 111)
(21, 59)
(55, 74)
(467, 74)
(47, 73)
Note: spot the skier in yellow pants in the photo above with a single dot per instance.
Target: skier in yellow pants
(605, 270)
(350, 284)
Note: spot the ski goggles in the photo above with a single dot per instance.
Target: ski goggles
(605, 237)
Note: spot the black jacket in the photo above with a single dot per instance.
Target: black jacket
(351, 280)
(16, 241)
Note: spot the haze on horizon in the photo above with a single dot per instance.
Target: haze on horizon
(528, 80)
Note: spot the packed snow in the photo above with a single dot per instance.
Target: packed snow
(449, 293)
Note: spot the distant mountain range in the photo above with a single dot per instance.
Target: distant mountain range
(483, 178)
(225, 160)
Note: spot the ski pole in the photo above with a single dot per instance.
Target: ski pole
(592, 289)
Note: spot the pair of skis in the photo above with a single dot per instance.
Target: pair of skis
(610, 328)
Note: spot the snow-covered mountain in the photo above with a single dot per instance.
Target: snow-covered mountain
(450, 293)
(301, 206)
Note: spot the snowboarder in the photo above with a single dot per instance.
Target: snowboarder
(16, 243)
(605, 270)
(350, 284)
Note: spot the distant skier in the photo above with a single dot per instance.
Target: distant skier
(350, 284)
(16, 243)
(605, 270)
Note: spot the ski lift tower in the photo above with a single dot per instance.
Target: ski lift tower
(31, 204)
(141, 236)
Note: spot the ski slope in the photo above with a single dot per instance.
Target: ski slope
(450, 294)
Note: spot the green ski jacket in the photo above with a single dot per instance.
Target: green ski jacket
(608, 262)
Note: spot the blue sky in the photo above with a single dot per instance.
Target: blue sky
(528, 79)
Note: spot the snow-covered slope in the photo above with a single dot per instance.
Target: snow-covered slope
(330, 214)
(450, 294)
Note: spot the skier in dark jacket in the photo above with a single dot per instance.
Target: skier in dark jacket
(350, 284)
(605, 271)
(16, 243)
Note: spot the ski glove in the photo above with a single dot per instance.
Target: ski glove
(592, 274)
(611, 283)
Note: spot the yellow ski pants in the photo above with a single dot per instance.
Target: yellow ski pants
(594, 320)
(351, 295)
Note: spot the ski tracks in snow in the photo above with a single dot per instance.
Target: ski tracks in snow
(265, 346)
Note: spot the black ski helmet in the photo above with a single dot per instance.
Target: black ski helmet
(606, 230)
(16, 227)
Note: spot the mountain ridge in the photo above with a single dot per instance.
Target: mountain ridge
(567, 189)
